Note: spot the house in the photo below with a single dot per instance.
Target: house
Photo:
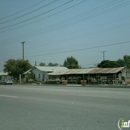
(4, 75)
(40, 73)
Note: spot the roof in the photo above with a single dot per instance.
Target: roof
(27, 72)
(62, 72)
(106, 70)
(89, 71)
(50, 69)
(3, 73)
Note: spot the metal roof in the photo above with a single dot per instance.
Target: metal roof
(89, 71)
(3, 73)
(62, 72)
(50, 69)
(78, 71)
(106, 70)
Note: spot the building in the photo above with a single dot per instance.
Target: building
(4, 75)
(96, 75)
(40, 73)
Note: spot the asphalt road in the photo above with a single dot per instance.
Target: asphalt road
(62, 108)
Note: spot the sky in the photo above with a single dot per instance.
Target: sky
(56, 29)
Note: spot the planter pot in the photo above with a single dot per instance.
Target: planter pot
(64, 82)
(83, 82)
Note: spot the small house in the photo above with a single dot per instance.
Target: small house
(40, 73)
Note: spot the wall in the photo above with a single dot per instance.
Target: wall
(126, 74)
(39, 75)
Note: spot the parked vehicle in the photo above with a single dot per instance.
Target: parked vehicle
(7, 81)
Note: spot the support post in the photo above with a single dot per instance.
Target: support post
(20, 78)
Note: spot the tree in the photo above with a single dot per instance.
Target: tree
(108, 64)
(127, 60)
(113, 64)
(16, 67)
(71, 63)
(42, 64)
(121, 62)
(53, 64)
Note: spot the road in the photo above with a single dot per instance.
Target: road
(24, 107)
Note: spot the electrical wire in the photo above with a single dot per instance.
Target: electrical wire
(58, 24)
(29, 12)
(51, 29)
(81, 36)
(75, 50)
(81, 49)
(45, 17)
(89, 33)
(21, 10)
(95, 10)
(37, 15)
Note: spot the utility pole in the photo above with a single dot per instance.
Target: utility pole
(103, 55)
(23, 49)
(35, 63)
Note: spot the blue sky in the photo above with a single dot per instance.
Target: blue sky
(55, 29)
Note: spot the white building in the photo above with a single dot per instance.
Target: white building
(40, 73)
(4, 75)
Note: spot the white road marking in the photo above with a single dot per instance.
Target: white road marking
(8, 96)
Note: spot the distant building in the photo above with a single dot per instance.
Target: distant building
(4, 75)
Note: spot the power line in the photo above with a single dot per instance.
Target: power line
(81, 49)
(22, 10)
(51, 29)
(58, 24)
(85, 35)
(46, 16)
(26, 35)
(88, 33)
(37, 15)
(28, 12)
(87, 13)
(119, 43)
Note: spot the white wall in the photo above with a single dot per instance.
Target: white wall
(126, 74)
(39, 75)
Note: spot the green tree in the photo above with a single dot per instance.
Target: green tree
(127, 60)
(16, 67)
(71, 63)
(53, 64)
(108, 64)
(121, 62)
(113, 64)
(42, 64)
